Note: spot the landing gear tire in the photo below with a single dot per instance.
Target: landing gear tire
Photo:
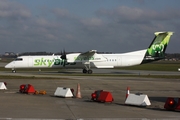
(90, 71)
(87, 71)
(13, 71)
(84, 71)
(87, 68)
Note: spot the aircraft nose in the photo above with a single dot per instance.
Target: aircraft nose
(8, 65)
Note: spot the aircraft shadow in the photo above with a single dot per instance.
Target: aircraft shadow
(158, 99)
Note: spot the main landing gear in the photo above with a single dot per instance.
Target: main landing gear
(87, 71)
(87, 68)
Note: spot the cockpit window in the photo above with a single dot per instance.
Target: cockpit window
(18, 59)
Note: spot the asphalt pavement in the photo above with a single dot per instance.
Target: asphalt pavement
(15, 105)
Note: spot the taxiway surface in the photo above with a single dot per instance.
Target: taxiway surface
(15, 105)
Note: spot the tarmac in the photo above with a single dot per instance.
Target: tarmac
(17, 106)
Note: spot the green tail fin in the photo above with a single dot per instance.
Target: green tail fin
(157, 48)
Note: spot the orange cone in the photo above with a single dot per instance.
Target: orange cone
(127, 92)
(78, 92)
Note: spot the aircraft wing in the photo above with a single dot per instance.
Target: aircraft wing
(89, 53)
(86, 57)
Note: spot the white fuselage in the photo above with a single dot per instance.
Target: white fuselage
(91, 59)
(75, 60)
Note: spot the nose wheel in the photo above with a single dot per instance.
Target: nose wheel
(13, 71)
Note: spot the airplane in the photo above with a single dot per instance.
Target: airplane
(91, 59)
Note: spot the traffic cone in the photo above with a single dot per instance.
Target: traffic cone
(127, 92)
(78, 92)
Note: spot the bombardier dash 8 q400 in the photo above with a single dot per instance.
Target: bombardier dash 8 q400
(92, 59)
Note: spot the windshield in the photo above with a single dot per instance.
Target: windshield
(18, 59)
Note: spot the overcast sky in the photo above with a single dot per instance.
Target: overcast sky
(82, 25)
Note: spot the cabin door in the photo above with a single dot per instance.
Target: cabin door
(30, 62)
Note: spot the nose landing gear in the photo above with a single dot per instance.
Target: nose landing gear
(13, 71)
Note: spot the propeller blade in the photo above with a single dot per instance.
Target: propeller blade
(63, 57)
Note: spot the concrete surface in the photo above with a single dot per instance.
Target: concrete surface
(14, 105)
(17, 106)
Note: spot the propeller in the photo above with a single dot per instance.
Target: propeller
(63, 57)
